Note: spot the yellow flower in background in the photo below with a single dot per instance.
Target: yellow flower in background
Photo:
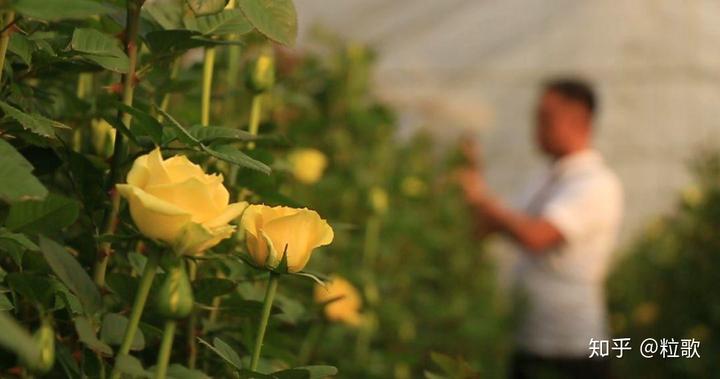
(343, 301)
(307, 165)
(174, 201)
(103, 137)
(645, 313)
(412, 186)
(271, 231)
(693, 195)
(379, 200)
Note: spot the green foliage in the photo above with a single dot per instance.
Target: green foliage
(82, 98)
(663, 286)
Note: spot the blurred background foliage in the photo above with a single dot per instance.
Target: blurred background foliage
(663, 285)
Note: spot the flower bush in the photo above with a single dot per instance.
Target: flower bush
(168, 171)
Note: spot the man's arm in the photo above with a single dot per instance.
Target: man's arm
(536, 234)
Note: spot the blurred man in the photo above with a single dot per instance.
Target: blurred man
(566, 231)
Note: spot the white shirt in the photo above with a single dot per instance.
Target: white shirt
(564, 288)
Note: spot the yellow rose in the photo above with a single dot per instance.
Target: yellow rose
(174, 201)
(343, 301)
(307, 165)
(270, 231)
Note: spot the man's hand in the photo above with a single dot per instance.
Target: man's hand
(473, 186)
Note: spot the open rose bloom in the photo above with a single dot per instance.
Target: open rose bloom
(174, 201)
(272, 231)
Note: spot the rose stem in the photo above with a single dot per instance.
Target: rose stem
(5, 39)
(208, 67)
(165, 349)
(110, 218)
(255, 111)
(165, 102)
(265, 316)
(141, 296)
(307, 349)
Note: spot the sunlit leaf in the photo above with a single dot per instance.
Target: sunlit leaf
(60, 9)
(276, 19)
(202, 7)
(229, 21)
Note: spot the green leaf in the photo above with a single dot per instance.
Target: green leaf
(37, 289)
(117, 64)
(87, 335)
(93, 41)
(100, 48)
(227, 153)
(229, 21)
(177, 371)
(276, 19)
(183, 135)
(5, 304)
(113, 331)
(18, 181)
(206, 289)
(70, 272)
(33, 122)
(167, 13)
(143, 123)
(224, 351)
(233, 155)
(22, 47)
(59, 9)
(210, 134)
(128, 364)
(172, 41)
(51, 214)
(122, 285)
(202, 7)
(306, 372)
(18, 340)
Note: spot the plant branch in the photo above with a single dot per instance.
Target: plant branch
(110, 218)
(8, 21)
(141, 296)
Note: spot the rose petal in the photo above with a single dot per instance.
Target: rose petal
(192, 195)
(156, 218)
(230, 213)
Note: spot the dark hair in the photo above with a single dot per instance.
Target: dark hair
(574, 89)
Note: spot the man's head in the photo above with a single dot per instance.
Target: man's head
(564, 116)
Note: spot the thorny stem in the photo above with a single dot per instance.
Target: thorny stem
(5, 39)
(110, 218)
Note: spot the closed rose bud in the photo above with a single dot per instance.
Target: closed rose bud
(45, 340)
(103, 137)
(272, 231)
(307, 165)
(342, 301)
(174, 201)
(175, 297)
(262, 73)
